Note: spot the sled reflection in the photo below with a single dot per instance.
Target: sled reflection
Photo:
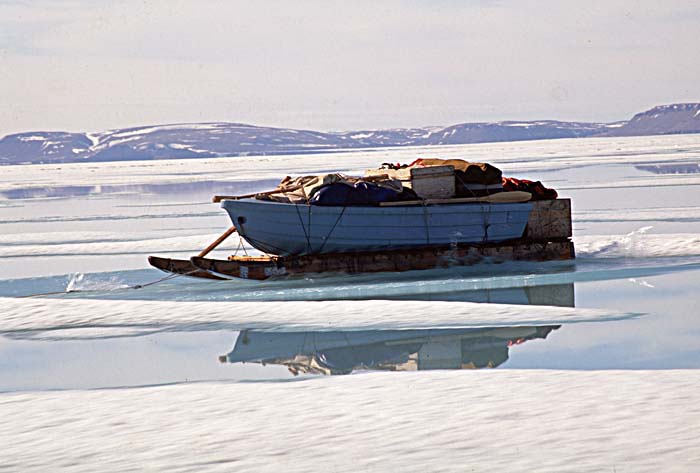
(560, 295)
(332, 353)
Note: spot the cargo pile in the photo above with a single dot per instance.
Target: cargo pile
(420, 180)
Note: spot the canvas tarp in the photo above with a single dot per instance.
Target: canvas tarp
(299, 190)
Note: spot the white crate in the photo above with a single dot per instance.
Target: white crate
(430, 182)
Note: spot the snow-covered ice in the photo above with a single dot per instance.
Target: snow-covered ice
(37, 315)
(513, 157)
(618, 393)
(624, 421)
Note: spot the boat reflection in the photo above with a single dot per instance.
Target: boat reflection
(333, 353)
(559, 295)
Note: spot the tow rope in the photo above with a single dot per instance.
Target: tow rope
(135, 286)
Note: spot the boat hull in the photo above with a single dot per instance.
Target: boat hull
(289, 229)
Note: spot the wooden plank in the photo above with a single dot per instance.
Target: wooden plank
(217, 242)
(497, 198)
(219, 198)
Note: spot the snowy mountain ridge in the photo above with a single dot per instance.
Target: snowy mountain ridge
(216, 139)
(663, 119)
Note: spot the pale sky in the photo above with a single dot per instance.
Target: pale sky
(83, 65)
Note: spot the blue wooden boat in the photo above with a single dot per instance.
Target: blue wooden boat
(300, 229)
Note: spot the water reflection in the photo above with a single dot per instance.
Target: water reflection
(672, 168)
(558, 295)
(555, 295)
(179, 188)
(333, 353)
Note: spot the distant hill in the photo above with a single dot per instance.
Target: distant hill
(511, 131)
(205, 140)
(662, 120)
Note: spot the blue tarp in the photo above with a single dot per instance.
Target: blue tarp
(361, 193)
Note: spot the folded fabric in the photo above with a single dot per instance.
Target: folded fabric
(300, 190)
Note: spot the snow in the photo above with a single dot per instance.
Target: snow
(638, 245)
(307, 145)
(93, 138)
(48, 143)
(48, 238)
(32, 138)
(643, 182)
(47, 314)
(111, 137)
(634, 245)
(148, 130)
(654, 214)
(359, 136)
(457, 421)
(557, 154)
(112, 142)
(116, 246)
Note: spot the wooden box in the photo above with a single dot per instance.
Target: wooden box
(549, 219)
(430, 182)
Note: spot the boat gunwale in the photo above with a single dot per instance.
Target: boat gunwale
(382, 208)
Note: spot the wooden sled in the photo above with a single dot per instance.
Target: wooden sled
(547, 238)
(178, 266)
(185, 267)
(264, 267)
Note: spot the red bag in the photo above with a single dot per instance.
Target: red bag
(536, 188)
